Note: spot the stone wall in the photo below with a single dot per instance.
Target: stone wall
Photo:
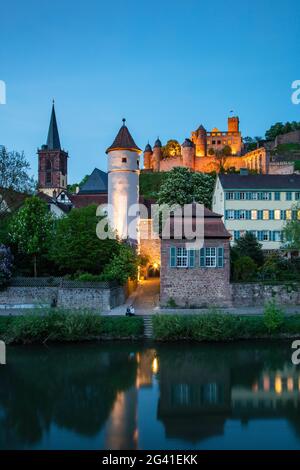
(198, 286)
(255, 295)
(100, 299)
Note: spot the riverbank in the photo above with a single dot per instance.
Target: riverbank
(63, 326)
(66, 326)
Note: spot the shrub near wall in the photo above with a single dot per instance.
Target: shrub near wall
(220, 327)
(65, 327)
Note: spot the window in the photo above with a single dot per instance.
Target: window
(210, 257)
(124, 160)
(242, 215)
(288, 215)
(297, 196)
(48, 172)
(236, 235)
(242, 196)
(265, 235)
(182, 258)
(214, 142)
(265, 215)
(254, 196)
(288, 196)
(277, 196)
(219, 142)
(229, 196)
(277, 214)
(254, 214)
(277, 236)
(230, 214)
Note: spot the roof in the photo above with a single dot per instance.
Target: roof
(213, 224)
(124, 141)
(13, 199)
(97, 183)
(148, 148)
(52, 200)
(157, 143)
(53, 141)
(256, 182)
(84, 200)
(188, 143)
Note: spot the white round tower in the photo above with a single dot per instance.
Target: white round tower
(123, 185)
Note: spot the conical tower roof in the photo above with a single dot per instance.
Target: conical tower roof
(124, 141)
(53, 141)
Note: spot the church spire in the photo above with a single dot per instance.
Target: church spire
(53, 142)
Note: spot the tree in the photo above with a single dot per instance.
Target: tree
(171, 149)
(75, 246)
(123, 265)
(14, 175)
(211, 151)
(183, 186)
(291, 233)
(227, 151)
(6, 265)
(73, 187)
(31, 229)
(280, 128)
(244, 269)
(248, 245)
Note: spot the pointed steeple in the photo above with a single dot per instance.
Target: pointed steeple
(124, 141)
(53, 142)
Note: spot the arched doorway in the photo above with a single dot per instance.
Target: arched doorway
(153, 270)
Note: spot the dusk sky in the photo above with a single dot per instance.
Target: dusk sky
(166, 66)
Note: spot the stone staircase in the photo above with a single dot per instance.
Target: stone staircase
(148, 327)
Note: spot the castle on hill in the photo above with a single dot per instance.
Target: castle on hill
(208, 151)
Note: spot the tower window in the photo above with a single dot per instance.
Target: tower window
(124, 160)
(48, 172)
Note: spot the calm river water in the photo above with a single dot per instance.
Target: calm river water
(141, 396)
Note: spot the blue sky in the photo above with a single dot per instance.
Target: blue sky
(166, 66)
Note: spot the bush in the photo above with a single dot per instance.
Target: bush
(64, 326)
(273, 316)
(6, 265)
(124, 265)
(87, 277)
(244, 269)
(223, 327)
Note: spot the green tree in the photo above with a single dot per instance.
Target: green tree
(244, 269)
(31, 228)
(171, 149)
(226, 151)
(211, 151)
(291, 233)
(75, 246)
(183, 186)
(248, 245)
(280, 128)
(73, 187)
(123, 265)
(13, 177)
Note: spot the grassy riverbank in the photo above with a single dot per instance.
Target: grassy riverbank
(62, 326)
(222, 327)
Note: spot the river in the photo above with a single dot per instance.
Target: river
(243, 395)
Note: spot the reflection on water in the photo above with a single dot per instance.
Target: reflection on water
(131, 396)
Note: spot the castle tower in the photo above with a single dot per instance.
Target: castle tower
(53, 162)
(156, 156)
(201, 142)
(123, 184)
(233, 124)
(188, 154)
(147, 157)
